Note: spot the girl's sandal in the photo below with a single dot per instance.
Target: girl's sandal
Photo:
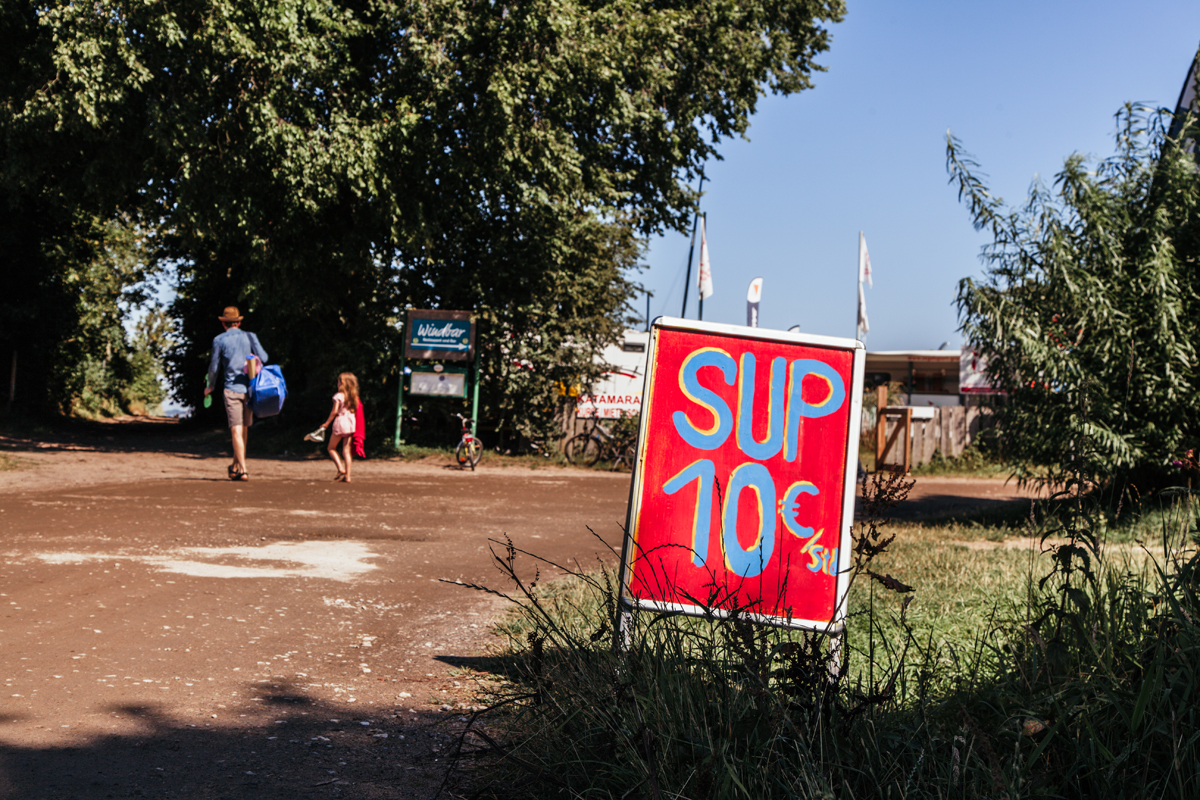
(232, 470)
(235, 475)
(341, 476)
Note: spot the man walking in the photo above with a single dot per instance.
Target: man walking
(230, 351)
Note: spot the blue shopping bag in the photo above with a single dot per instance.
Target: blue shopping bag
(268, 390)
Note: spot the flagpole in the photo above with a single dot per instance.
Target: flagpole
(687, 281)
(701, 293)
(857, 282)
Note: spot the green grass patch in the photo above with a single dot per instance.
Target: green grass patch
(961, 583)
(1015, 667)
(973, 462)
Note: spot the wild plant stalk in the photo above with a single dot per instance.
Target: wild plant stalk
(692, 702)
(1086, 688)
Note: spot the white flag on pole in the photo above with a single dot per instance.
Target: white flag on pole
(705, 277)
(864, 261)
(864, 327)
(864, 274)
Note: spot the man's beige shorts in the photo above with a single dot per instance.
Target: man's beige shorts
(237, 408)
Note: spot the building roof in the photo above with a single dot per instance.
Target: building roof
(1187, 96)
(915, 355)
(918, 360)
(939, 366)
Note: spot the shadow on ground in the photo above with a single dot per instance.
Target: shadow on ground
(182, 438)
(281, 745)
(947, 508)
(127, 435)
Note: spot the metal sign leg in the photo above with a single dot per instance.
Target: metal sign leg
(475, 396)
(621, 627)
(400, 390)
(835, 656)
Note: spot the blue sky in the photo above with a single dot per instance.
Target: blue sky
(1022, 84)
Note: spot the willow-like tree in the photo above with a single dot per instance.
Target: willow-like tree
(1089, 308)
(326, 164)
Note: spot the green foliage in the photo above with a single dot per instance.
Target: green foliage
(983, 682)
(1089, 307)
(543, 327)
(324, 166)
(77, 262)
(973, 460)
(101, 371)
(1102, 669)
(75, 279)
(700, 708)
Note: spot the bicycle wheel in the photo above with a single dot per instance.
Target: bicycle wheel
(462, 455)
(622, 456)
(474, 452)
(582, 449)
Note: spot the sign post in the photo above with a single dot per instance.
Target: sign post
(743, 487)
(444, 336)
(400, 386)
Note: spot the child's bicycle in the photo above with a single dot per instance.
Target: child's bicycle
(469, 450)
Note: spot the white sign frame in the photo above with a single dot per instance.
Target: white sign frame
(837, 624)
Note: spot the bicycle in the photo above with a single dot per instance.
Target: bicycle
(469, 450)
(589, 447)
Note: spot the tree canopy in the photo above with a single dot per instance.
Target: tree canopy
(324, 165)
(1089, 308)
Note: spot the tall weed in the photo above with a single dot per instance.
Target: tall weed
(1079, 682)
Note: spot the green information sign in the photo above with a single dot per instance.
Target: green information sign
(435, 335)
(447, 335)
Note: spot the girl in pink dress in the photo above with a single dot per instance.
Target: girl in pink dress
(345, 403)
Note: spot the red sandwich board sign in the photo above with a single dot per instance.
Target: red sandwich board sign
(743, 485)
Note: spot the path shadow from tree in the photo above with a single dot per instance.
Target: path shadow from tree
(942, 508)
(186, 438)
(282, 746)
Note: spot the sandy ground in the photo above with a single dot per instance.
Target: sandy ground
(165, 632)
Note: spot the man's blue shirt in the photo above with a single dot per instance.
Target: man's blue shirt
(229, 351)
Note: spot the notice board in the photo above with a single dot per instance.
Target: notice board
(447, 335)
(743, 486)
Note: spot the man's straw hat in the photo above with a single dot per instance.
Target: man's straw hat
(231, 315)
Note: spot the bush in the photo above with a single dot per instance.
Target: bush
(1087, 312)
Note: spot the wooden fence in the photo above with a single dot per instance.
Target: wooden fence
(902, 441)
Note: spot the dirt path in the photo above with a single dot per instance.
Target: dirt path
(165, 632)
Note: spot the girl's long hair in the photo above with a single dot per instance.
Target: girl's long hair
(348, 385)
